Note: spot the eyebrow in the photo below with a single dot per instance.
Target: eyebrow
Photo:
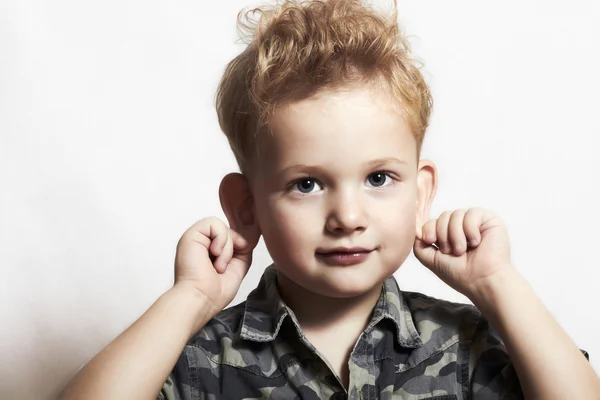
(385, 161)
(380, 162)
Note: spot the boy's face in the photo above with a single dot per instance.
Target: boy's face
(335, 191)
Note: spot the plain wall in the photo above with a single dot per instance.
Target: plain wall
(110, 149)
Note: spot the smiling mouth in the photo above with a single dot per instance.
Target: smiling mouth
(344, 256)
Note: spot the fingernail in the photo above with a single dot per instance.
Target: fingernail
(473, 242)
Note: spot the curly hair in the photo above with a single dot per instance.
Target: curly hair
(296, 49)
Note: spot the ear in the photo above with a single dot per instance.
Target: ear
(237, 203)
(426, 189)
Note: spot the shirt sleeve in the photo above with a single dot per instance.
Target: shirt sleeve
(493, 373)
(177, 385)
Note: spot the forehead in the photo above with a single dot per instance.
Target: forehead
(342, 127)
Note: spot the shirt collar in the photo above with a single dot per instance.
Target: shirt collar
(265, 311)
(392, 305)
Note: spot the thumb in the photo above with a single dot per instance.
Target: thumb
(242, 248)
(235, 273)
(238, 266)
(427, 254)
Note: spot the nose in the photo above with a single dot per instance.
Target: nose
(347, 212)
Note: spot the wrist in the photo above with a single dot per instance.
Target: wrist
(196, 307)
(487, 293)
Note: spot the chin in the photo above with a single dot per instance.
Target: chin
(338, 281)
(346, 293)
(345, 283)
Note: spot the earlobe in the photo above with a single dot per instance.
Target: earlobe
(426, 189)
(237, 203)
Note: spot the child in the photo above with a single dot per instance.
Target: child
(325, 112)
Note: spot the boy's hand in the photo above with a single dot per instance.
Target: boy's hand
(472, 247)
(212, 259)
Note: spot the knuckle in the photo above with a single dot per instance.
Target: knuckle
(211, 220)
(460, 213)
(441, 232)
(215, 222)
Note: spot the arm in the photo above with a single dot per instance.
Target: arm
(470, 251)
(137, 363)
(548, 363)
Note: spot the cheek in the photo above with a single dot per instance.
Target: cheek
(399, 222)
(286, 227)
(397, 235)
(396, 217)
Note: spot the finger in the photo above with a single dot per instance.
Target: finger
(235, 272)
(226, 253)
(429, 235)
(426, 253)
(240, 244)
(456, 233)
(471, 226)
(442, 232)
(240, 263)
(218, 235)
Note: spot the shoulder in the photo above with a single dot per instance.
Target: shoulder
(218, 353)
(454, 322)
(442, 318)
(478, 349)
(225, 323)
(220, 344)
(198, 362)
(223, 328)
(422, 302)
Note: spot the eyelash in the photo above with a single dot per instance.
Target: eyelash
(294, 184)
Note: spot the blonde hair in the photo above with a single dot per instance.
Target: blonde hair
(299, 48)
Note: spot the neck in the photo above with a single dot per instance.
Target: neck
(316, 312)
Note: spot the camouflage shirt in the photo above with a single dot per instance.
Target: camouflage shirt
(415, 347)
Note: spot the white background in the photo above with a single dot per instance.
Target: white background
(110, 150)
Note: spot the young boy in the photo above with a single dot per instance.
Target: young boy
(326, 112)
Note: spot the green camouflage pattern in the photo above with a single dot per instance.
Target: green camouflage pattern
(415, 347)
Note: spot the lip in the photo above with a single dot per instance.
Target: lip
(344, 255)
(342, 249)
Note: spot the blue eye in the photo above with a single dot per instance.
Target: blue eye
(377, 179)
(306, 185)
